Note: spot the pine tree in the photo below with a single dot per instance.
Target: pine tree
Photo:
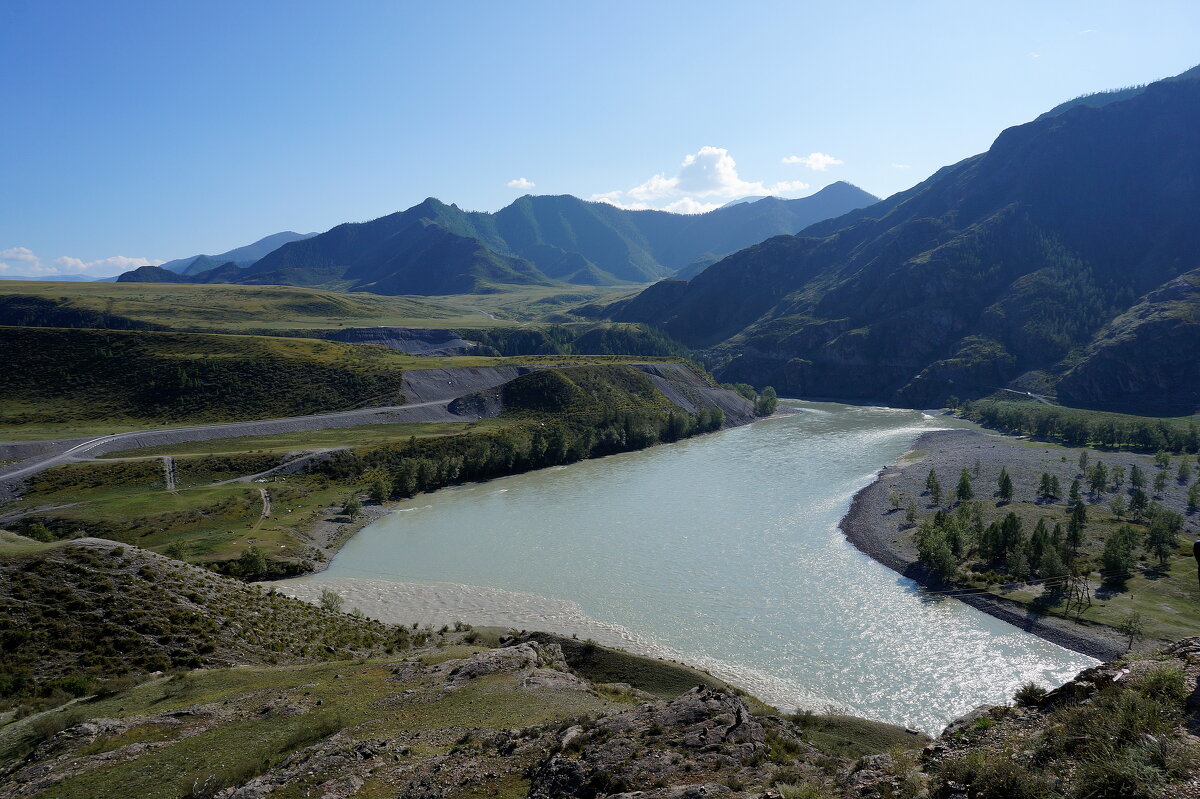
(1137, 478)
(964, 491)
(1005, 486)
(934, 487)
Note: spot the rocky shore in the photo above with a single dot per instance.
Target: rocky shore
(875, 528)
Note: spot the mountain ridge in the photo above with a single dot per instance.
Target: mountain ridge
(535, 240)
(1005, 262)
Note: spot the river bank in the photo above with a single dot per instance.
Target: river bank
(879, 531)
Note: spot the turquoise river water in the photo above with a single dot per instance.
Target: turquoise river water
(722, 551)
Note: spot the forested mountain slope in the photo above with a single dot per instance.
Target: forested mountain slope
(1007, 262)
(435, 248)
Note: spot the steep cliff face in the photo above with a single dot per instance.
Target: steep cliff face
(1004, 263)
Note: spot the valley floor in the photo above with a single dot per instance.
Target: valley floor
(1165, 599)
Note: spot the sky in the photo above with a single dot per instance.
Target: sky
(139, 132)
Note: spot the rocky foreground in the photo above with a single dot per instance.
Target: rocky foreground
(380, 711)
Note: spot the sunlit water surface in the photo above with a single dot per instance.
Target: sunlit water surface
(723, 551)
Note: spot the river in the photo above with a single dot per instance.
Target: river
(722, 551)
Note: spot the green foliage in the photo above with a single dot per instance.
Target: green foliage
(1081, 428)
(1029, 694)
(1005, 486)
(1118, 559)
(767, 402)
(964, 491)
(170, 377)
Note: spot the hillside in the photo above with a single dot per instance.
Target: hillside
(116, 376)
(325, 703)
(1005, 263)
(434, 248)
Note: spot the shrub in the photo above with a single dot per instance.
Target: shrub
(991, 775)
(1029, 694)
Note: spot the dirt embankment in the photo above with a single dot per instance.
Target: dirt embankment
(876, 529)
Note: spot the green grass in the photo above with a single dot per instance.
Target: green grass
(359, 696)
(248, 308)
(601, 664)
(852, 737)
(282, 443)
(100, 382)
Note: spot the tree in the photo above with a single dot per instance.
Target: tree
(910, 514)
(1138, 502)
(1193, 497)
(1083, 462)
(1118, 506)
(252, 564)
(934, 487)
(897, 499)
(1132, 626)
(381, 489)
(1075, 528)
(766, 403)
(352, 508)
(331, 600)
(1137, 478)
(1184, 472)
(1043, 492)
(977, 469)
(1161, 541)
(1160, 482)
(1073, 496)
(1116, 476)
(39, 532)
(1098, 478)
(1118, 557)
(1162, 459)
(1005, 486)
(964, 491)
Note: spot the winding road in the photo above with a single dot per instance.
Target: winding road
(73, 450)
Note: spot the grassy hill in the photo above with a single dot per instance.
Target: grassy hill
(58, 376)
(298, 700)
(253, 309)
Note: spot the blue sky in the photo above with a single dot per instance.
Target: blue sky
(138, 132)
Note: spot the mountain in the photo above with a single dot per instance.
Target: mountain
(228, 272)
(243, 256)
(1020, 259)
(152, 274)
(65, 278)
(435, 248)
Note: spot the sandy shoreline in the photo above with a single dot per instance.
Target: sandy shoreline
(871, 525)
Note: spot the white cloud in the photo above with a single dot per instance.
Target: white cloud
(520, 183)
(706, 175)
(817, 161)
(1035, 55)
(23, 261)
(1086, 31)
(901, 166)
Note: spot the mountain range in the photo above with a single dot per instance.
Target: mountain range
(1064, 255)
(435, 248)
(242, 256)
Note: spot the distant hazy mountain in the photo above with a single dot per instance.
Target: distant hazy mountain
(73, 278)
(1031, 256)
(243, 256)
(746, 199)
(535, 240)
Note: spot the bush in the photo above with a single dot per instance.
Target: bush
(991, 775)
(1029, 694)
